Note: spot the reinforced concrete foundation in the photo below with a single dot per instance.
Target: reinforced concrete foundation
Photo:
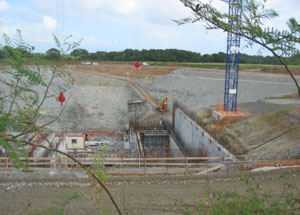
(154, 137)
(194, 139)
(136, 106)
(218, 115)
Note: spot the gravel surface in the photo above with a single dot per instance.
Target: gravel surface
(268, 105)
(100, 103)
(96, 103)
(202, 88)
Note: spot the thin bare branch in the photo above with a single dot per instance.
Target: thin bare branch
(72, 158)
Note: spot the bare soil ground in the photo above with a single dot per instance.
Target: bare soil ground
(128, 70)
(195, 88)
(117, 68)
(271, 135)
(148, 195)
(143, 195)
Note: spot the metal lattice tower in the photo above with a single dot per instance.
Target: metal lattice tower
(233, 57)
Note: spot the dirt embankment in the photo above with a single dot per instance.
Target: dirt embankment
(274, 135)
(128, 70)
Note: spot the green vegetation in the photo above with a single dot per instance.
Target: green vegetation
(153, 55)
(255, 200)
(81, 54)
(53, 54)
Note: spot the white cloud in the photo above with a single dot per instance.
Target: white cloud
(49, 22)
(160, 32)
(122, 7)
(33, 32)
(3, 5)
(111, 8)
(118, 24)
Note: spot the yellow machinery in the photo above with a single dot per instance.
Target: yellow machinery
(163, 107)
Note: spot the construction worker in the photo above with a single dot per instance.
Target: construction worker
(161, 122)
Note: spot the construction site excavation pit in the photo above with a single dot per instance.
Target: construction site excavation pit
(117, 118)
(97, 121)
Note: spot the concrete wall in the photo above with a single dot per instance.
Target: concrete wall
(154, 137)
(194, 139)
(174, 150)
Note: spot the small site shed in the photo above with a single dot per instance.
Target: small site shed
(75, 141)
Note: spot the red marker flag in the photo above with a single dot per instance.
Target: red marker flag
(137, 64)
(61, 98)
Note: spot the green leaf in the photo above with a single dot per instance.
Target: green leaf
(101, 175)
(6, 145)
(88, 172)
(105, 149)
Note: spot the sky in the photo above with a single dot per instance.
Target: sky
(115, 25)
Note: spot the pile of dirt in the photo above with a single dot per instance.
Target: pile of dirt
(270, 136)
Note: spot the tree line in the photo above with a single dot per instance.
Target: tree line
(158, 55)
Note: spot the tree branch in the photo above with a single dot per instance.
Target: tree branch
(14, 98)
(44, 98)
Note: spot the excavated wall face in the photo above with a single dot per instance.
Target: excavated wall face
(94, 103)
(195, 140)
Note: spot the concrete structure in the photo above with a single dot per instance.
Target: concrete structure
(195, 140)
(136, 106)
(220, 114)
(154, 137)
(174, 149)
(75, 141)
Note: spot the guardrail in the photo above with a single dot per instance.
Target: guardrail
(121, 166)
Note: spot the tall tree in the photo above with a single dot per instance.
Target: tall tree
(281, 43)
(82, 54)
(53, 54)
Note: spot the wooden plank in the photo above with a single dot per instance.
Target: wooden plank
(125, 159)
(40, 168)
(120, 164)
(136, 169)
(183, 169)
(208, 158)
(210, 169)
(142, 159)
(42, 163)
